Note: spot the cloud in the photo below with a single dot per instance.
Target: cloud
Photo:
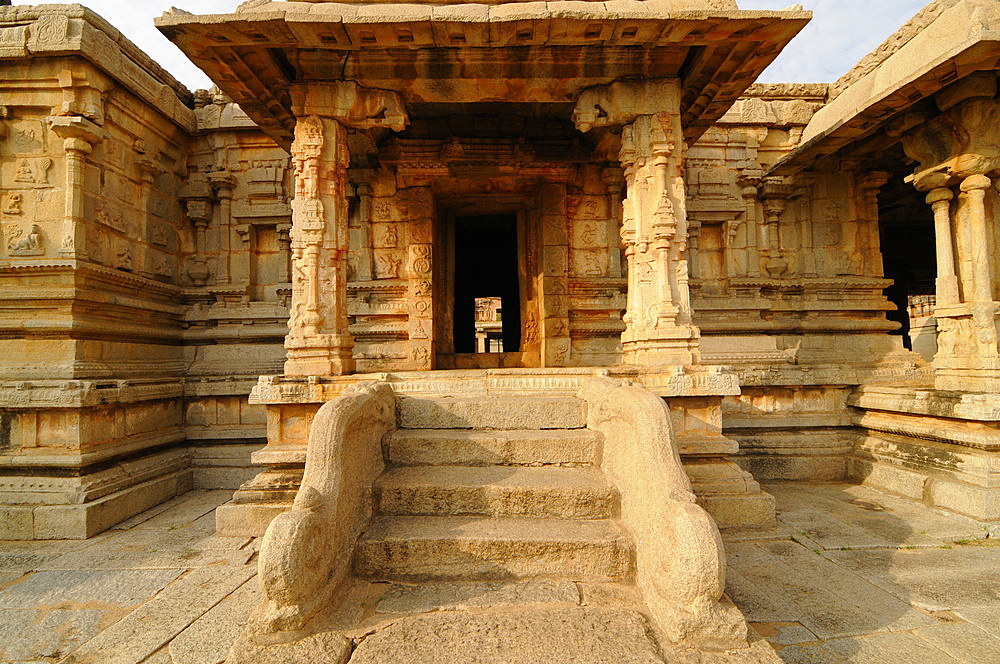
(839, 35)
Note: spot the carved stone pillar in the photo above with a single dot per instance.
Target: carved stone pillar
(974, 187)
(775, 194)
(233, 266)
(802, 199)
(749, 180)
(658, 329)
(614, 183)
(318, 341)
(197, 197)
(79, 137)
(868, 239)
(947, 281)
(960, 147)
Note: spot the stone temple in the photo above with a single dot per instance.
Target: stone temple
(486, 302)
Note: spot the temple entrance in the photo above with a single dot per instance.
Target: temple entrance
(487, 301)
(906, 230)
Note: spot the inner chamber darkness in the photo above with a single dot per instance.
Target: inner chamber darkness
(906, 230)
(486, 266)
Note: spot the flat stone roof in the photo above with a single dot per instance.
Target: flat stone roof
(945, 42)
(34, 31)
(548, 51)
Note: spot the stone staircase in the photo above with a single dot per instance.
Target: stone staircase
(484, 530)
(492, 489)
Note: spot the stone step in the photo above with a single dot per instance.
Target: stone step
(419, 548)
(468, 447)
(492, 413)
(568, 493)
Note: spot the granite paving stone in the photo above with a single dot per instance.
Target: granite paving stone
(966, 643)
(172, 592)
(900, 648)
(27, 635)
(159, 620)
(68, 588)
(207, 639)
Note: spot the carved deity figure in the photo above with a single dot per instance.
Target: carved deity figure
(13, 204)
(25, 245)
(23, 173)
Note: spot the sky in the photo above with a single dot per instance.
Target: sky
(840, 34)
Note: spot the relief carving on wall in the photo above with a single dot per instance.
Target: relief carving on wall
(20, 243)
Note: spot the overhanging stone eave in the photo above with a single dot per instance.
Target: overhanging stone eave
(218, 44)
(845, 121)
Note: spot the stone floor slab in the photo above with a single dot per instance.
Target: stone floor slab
(966, 643)
(935, 579)
(155, 623)
(779, 584)
(814, 605)
(123, 589)
(429, 597)
(208, 639)
(159, 559)
(897, 648)
(986, 618)
(196, 504)
(27, 635)
(554, 636)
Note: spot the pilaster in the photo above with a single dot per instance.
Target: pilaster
(79, 135)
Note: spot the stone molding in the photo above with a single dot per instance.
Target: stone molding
(58, 30)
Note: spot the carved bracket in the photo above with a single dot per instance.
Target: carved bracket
(621, 103)
(351, 105)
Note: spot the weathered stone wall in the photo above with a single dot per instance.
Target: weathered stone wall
(787, 281)
(93, 139)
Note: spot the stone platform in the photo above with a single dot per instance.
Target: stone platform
(694, 395)
(850, 575)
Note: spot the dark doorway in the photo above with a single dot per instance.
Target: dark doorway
(486, 266)
(906, 232)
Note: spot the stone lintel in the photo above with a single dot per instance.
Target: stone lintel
(621, 102)
(350, 104)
